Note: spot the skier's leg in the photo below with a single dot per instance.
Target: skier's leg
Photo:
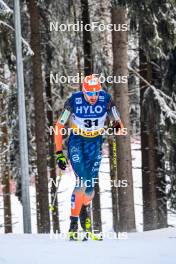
(93, 168)
(73, 230)
(76, 202)
(93, 150)
(77, 161)
(82, 157)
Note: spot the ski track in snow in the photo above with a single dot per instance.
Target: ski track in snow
(156, 247)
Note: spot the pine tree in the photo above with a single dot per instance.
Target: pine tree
(4, 163)
(124, 161)
(156, 38)
(6, 72)
(87, 39)
(40, 123)
(152, 134)
(48, 57)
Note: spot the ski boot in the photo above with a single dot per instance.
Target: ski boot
(73, 230)
(85, 222)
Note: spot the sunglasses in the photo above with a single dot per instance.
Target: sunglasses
(92, 93)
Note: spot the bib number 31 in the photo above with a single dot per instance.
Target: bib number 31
(90, 123)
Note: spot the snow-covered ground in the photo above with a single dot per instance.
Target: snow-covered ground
(156, 247)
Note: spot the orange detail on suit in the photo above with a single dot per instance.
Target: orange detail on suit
(80, 199)
(58, 136)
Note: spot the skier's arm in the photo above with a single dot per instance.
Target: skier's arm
(58, 128)
(114, 115)
(64, 117)
(61, 159)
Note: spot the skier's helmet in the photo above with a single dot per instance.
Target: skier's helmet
(91, 88)
(91, 84)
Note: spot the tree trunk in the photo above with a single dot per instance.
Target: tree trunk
(87, 39)
(148, 177)
(52, 163)
(48, 67)
(153, 178)
(40, 123)
(5, 170)
(159, 152)
(120, 68)
(78, 40)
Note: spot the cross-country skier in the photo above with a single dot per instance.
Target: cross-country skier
(87, 112)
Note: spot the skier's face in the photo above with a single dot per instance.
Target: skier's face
(91, 97)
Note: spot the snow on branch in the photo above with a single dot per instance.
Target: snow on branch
(4, 8)
(3, 86)
(29, 50)
(6, 150)
(166, 103)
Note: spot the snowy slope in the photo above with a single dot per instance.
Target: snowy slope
(156, 247)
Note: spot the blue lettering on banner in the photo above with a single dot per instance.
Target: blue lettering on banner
(89, 109)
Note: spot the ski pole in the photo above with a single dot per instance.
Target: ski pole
(52, 205)
(114, 145)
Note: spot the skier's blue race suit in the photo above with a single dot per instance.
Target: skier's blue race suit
(84, 146)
